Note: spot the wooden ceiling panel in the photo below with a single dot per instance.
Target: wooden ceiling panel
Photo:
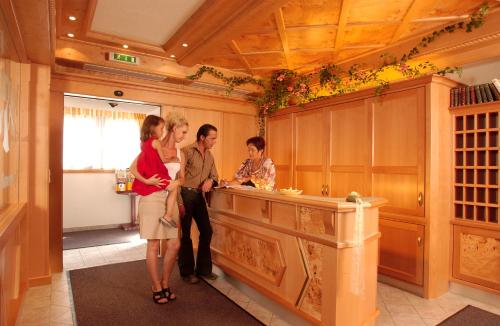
(259, 42)
(266, 60)
(311, 38)
(373, 34)
(311, 12)
(345, 54)
(317, 59)
(76, 8)
(436, 14)
(449, 8)
(378, 11)
(266, 26)
(230, 62)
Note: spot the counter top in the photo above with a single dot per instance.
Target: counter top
(338, 204)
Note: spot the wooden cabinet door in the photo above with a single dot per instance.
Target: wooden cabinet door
(236, 129)
(279, 141)
(349, 155)
(399, 151)
(402, 251)
(310, 151)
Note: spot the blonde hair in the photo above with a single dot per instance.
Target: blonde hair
(175, 119)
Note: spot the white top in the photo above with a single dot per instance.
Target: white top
(174, 167)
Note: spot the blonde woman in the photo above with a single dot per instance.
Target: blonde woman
(176, 130)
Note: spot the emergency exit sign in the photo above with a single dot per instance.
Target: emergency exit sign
(124, 58)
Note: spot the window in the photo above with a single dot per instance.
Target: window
(100, 139)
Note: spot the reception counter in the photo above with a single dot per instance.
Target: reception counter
(301, 251)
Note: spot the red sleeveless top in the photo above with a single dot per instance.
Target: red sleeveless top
(148, 164)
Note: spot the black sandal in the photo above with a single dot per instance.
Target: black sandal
(168, 294)
(157, 296)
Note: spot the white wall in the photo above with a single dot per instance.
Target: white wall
(89, 200)
(478, 73)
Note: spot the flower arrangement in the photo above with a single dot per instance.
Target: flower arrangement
(286, 87)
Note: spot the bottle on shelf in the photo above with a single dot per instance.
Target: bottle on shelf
(129, 180)
(121, 180)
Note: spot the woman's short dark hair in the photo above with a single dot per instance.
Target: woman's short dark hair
(204, 131)
(258, 142)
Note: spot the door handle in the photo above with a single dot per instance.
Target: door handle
(322, 190)
(420, 199)
(326, 191)
(419, 241)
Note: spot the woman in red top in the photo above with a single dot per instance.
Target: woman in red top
(146, 167)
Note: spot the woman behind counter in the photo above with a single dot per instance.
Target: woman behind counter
(257, 171)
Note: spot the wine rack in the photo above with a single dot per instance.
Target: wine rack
(476, 162)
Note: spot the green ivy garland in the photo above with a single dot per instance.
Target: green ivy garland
(286, 87)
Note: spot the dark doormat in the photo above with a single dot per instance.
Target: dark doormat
(92, 238)
(120, 295)
(472, 316)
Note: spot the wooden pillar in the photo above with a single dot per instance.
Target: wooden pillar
(38, 185)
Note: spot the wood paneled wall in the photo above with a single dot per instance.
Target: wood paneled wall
(23, 215)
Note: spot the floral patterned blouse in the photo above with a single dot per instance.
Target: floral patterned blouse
(264, 173)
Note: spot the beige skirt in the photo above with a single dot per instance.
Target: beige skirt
(151, 208)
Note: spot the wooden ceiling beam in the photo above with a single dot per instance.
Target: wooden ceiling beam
(344, 15)
(214, 23)
(243, 60)
(410, 14)
(280, 23)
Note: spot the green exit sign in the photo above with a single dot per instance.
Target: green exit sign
(125, 58)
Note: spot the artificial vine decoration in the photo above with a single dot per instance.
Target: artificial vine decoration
(231, 82)
(286, 87)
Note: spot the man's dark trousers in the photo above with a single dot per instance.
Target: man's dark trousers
(195, 208)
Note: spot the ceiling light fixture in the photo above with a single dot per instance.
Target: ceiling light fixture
(185, 45)
(73, 18)
(71, 35)
(125, 46)
(172, 55)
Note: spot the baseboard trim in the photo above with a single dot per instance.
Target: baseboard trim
(92, 227)
(475, 294)
(417, 290)
(41, 280)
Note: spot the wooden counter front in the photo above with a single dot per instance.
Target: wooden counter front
(298, 250)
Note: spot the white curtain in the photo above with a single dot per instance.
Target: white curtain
(100, 139)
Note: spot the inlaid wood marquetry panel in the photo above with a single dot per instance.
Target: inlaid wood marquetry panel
(257, 253)
(311, 299)
(477, 256)
(316, 221)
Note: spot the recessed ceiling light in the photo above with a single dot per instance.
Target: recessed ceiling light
(73, 18)
(172, 55)
(185, 45)
(125, 46)
(71, 35)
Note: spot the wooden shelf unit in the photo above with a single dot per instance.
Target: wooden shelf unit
(476, 196)
(476, 187)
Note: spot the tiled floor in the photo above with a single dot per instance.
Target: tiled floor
(52, 304)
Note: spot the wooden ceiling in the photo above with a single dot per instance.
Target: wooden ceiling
(259, 36)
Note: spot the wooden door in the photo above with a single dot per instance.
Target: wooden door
(349, 154)
(310, 151)
(399, 151)
(279, 141)
(402, 251)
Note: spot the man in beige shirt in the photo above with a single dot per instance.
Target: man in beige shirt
(200, 176)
